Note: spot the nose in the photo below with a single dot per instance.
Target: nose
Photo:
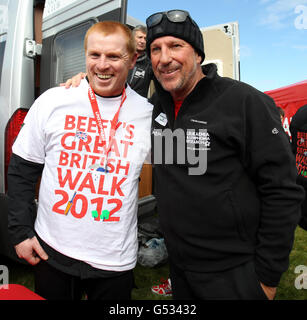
(103, 63)
(165, 55)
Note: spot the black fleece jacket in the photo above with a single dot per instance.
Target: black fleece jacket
(246, 205)
(140, 76)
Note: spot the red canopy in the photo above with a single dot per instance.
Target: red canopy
(290, 98)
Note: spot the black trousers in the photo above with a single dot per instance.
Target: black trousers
(240, 283)
(53, 284)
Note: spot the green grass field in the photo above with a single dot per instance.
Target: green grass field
(146, 277)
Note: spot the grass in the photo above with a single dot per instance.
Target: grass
(298, 256)
(146, 277)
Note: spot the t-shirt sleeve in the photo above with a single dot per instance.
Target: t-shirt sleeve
(30, 142)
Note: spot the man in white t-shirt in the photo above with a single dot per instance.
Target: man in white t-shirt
(89, 143)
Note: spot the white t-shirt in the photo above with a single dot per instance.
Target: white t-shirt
(60, 132)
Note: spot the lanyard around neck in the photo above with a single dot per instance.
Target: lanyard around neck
(99, 119)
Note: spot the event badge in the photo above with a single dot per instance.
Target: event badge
(162, 119)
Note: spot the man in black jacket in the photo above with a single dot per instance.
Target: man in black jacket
(140, 76)
(229, 219)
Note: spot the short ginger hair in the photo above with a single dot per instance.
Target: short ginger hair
(106, 28)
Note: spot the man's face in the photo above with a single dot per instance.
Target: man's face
(176, 65)
(108, 63)
(140, 40)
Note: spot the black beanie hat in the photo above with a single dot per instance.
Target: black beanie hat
(187, 30)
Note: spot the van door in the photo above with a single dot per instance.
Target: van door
(65, 24)
(16, 88)
(222, 47)
(17, 84)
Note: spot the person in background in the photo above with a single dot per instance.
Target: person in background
(298, 129)
(281, 113)
(140, 76)
(89, 143)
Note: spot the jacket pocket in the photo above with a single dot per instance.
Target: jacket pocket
(241, 229)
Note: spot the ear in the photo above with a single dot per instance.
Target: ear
(133, 61)
(198, 57)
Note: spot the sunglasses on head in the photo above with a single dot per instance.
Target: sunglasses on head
(172, 16)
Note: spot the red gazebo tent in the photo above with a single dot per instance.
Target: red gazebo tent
(290, 98)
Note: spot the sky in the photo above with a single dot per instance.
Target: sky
(273, 34)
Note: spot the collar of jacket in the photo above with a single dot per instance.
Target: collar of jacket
(142, 57)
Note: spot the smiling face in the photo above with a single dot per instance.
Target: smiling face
(108, 62)
(176, 65)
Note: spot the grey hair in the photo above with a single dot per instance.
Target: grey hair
(139, 28)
